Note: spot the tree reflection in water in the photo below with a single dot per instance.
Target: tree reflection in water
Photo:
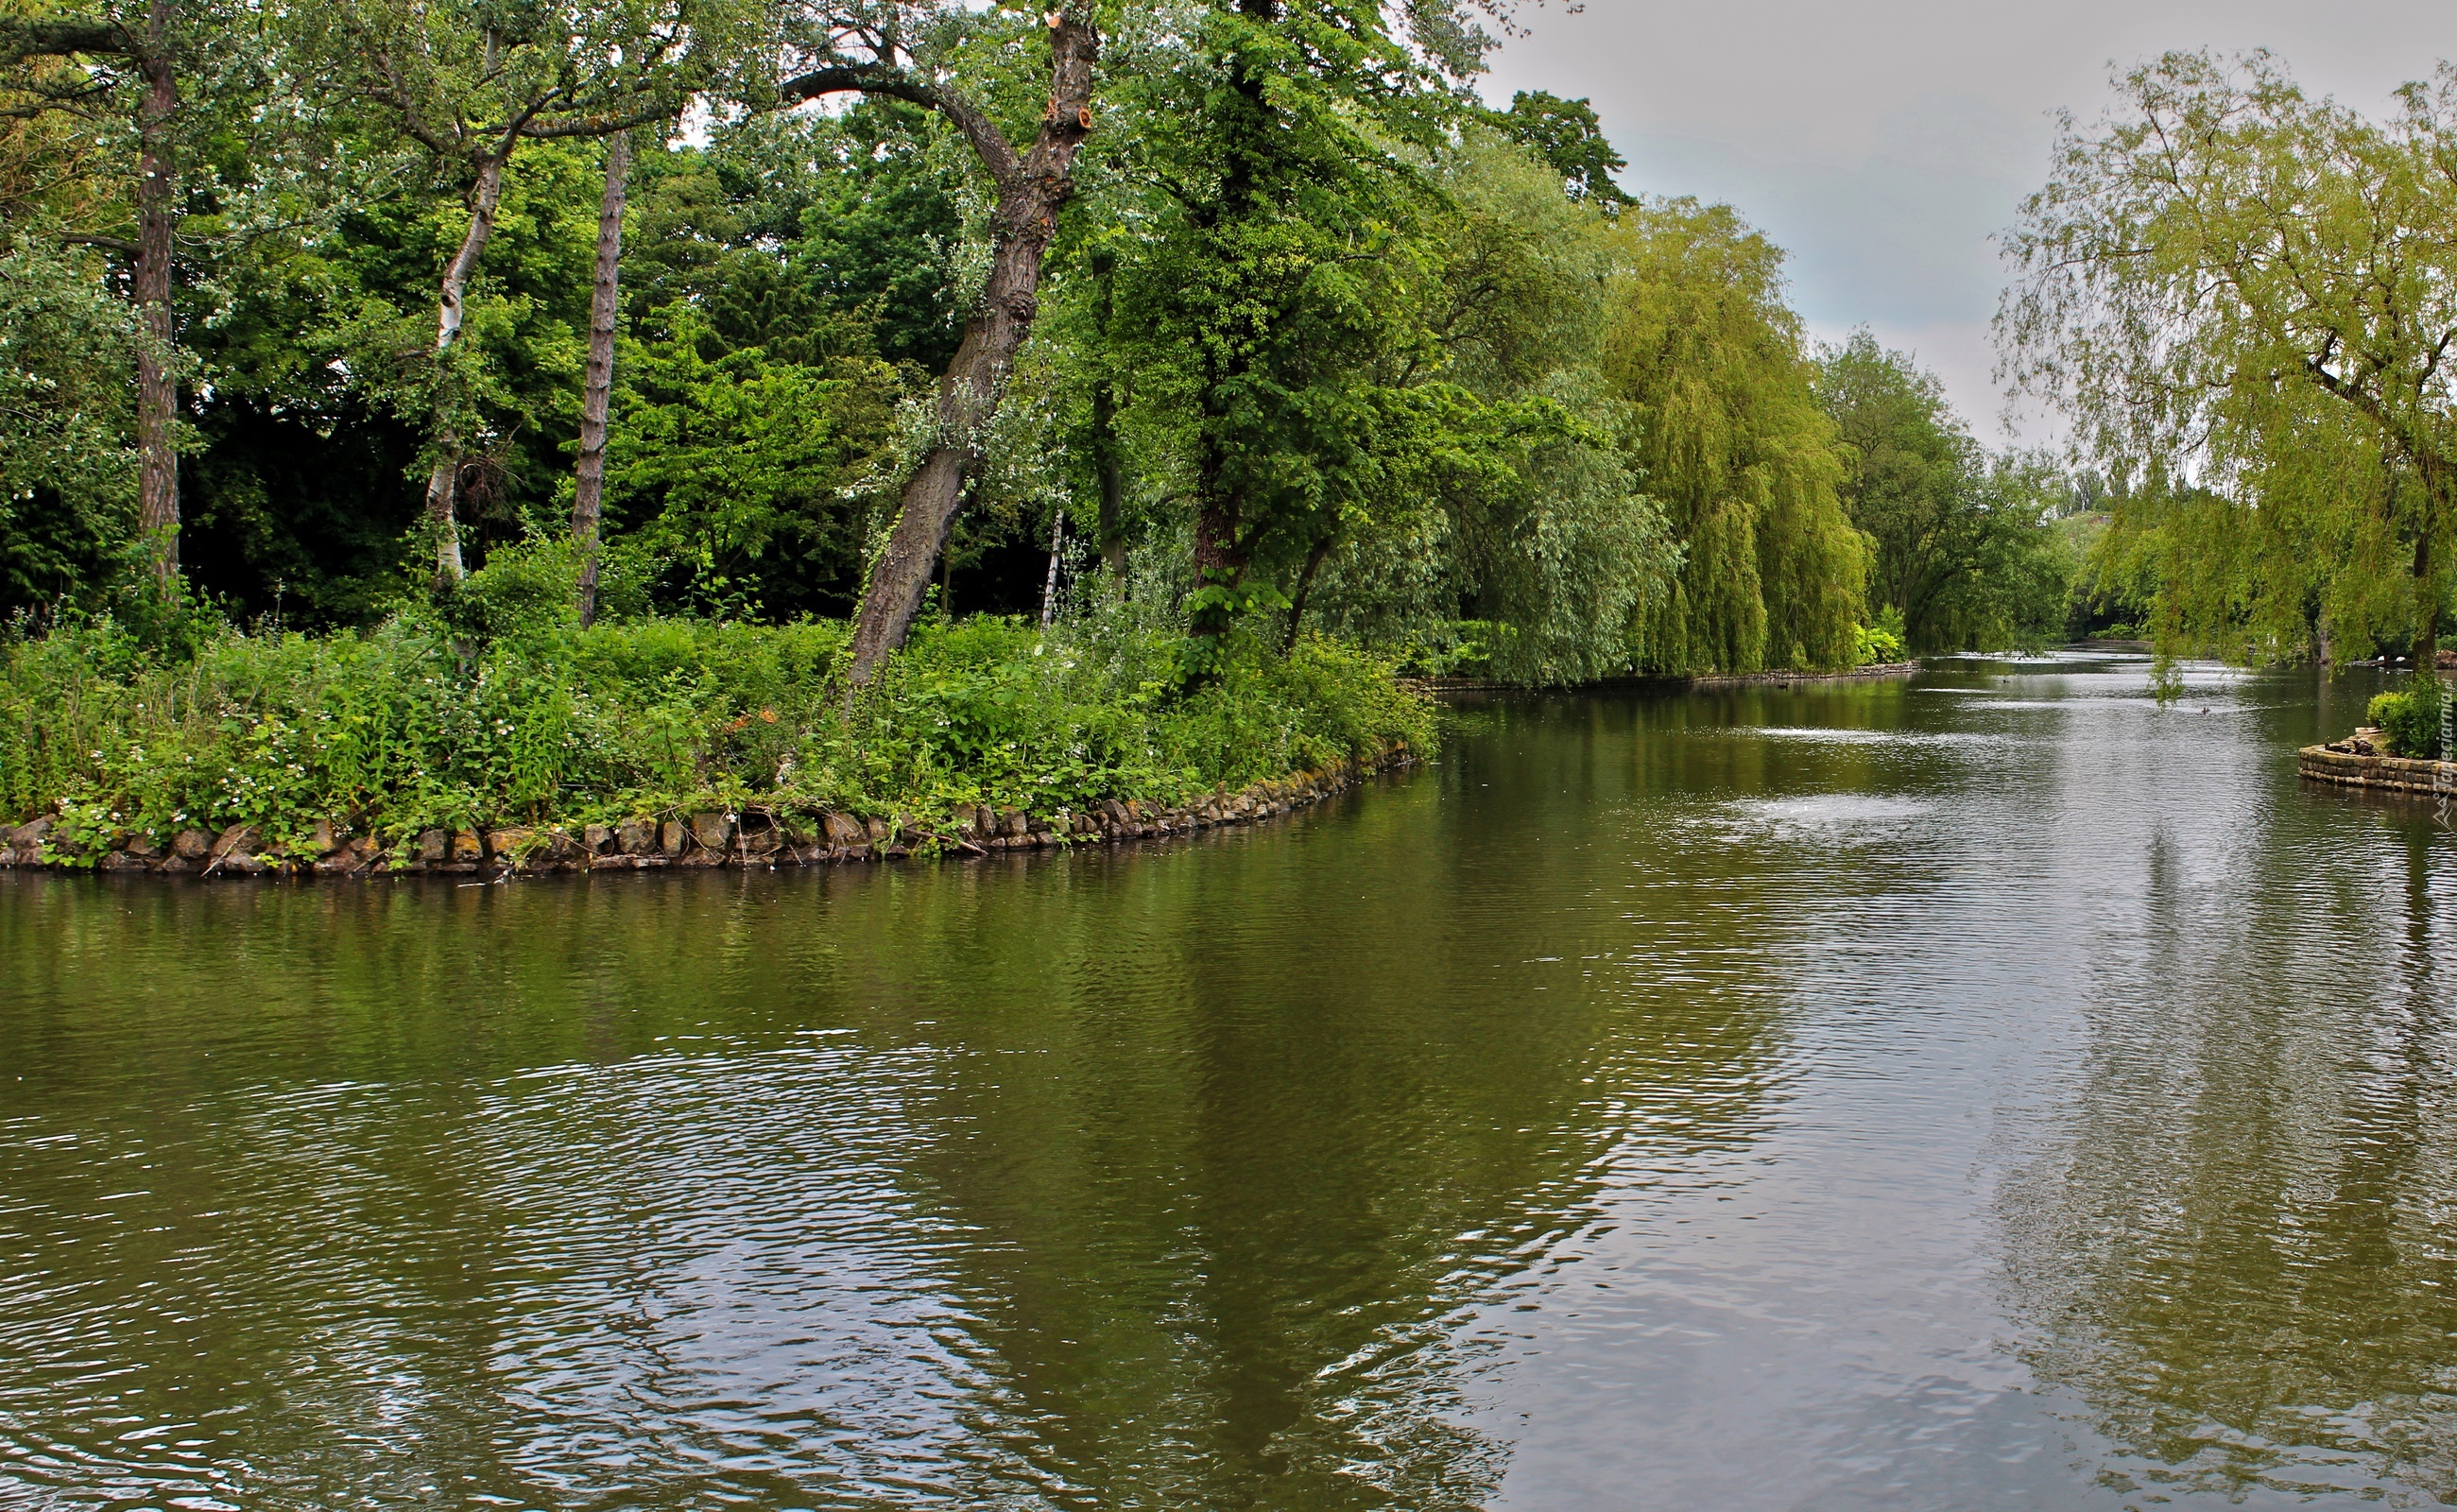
(2240, 1257)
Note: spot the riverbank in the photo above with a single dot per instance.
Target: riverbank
(418, 747)
(1446, 688)
(2379, 774)
(762, 836)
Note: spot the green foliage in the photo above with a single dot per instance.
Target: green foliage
(1881, 643)
(1746, 466)
(1567, 136)
(1963, 553)
(1221, 629)
(1273, 305)
(409, 725)
(532, 588)
(67, 475)
(2411, 720)
(735, 469)
(1317, 320)
(1557, 540)
(2228, 280)
(1463, 648)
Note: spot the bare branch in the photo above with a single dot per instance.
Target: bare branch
(996, 153)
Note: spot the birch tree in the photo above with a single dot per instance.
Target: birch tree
(469, 82)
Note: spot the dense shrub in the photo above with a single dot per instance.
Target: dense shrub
(430, 721)
(1883, 642)
(2411, 720)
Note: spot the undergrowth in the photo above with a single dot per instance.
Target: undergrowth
(448, 718)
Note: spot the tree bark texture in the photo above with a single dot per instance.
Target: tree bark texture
(589, 486)
(443, 484)
(1031, 189)
(157, 211)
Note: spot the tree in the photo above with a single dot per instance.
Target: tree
(2219, 260)
(1536, 522)
(1276, 285)
(907, 54)
(138, 58)
(67, 479)
(1750, 470)
(1960, 549)
(470, 82)
(589, 482)
(1566, 135)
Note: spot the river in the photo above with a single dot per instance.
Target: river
(1997, 1089)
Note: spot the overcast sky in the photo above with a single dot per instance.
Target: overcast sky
(1881, 144)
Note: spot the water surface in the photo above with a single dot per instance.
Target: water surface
(1992, 1089)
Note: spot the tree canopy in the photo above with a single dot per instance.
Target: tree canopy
(2239, 294)
(1244, 316)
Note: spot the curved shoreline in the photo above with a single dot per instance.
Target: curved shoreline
(1454, 687)
(754, 836)
(2379, 773)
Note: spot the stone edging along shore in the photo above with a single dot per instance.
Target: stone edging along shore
(2379, 773)
(753, 836)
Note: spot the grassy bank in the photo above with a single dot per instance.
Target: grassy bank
(419, 725)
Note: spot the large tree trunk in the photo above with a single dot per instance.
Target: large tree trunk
(1219, 564)
(589, 488)
(443, 483)
(1030, 193)
(157, 396)
(1217, 558)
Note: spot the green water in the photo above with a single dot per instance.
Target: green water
(1994, 1090)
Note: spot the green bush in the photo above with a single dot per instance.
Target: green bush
(498, 710)
(1883, 642)
(2409, 721)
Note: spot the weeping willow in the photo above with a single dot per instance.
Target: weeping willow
(1747, 469)
(2308, 537)
(1532, 518)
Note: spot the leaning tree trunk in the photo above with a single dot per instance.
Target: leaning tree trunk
(1030, 191)
(156, 384)
(443, 483)
(588, 487)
